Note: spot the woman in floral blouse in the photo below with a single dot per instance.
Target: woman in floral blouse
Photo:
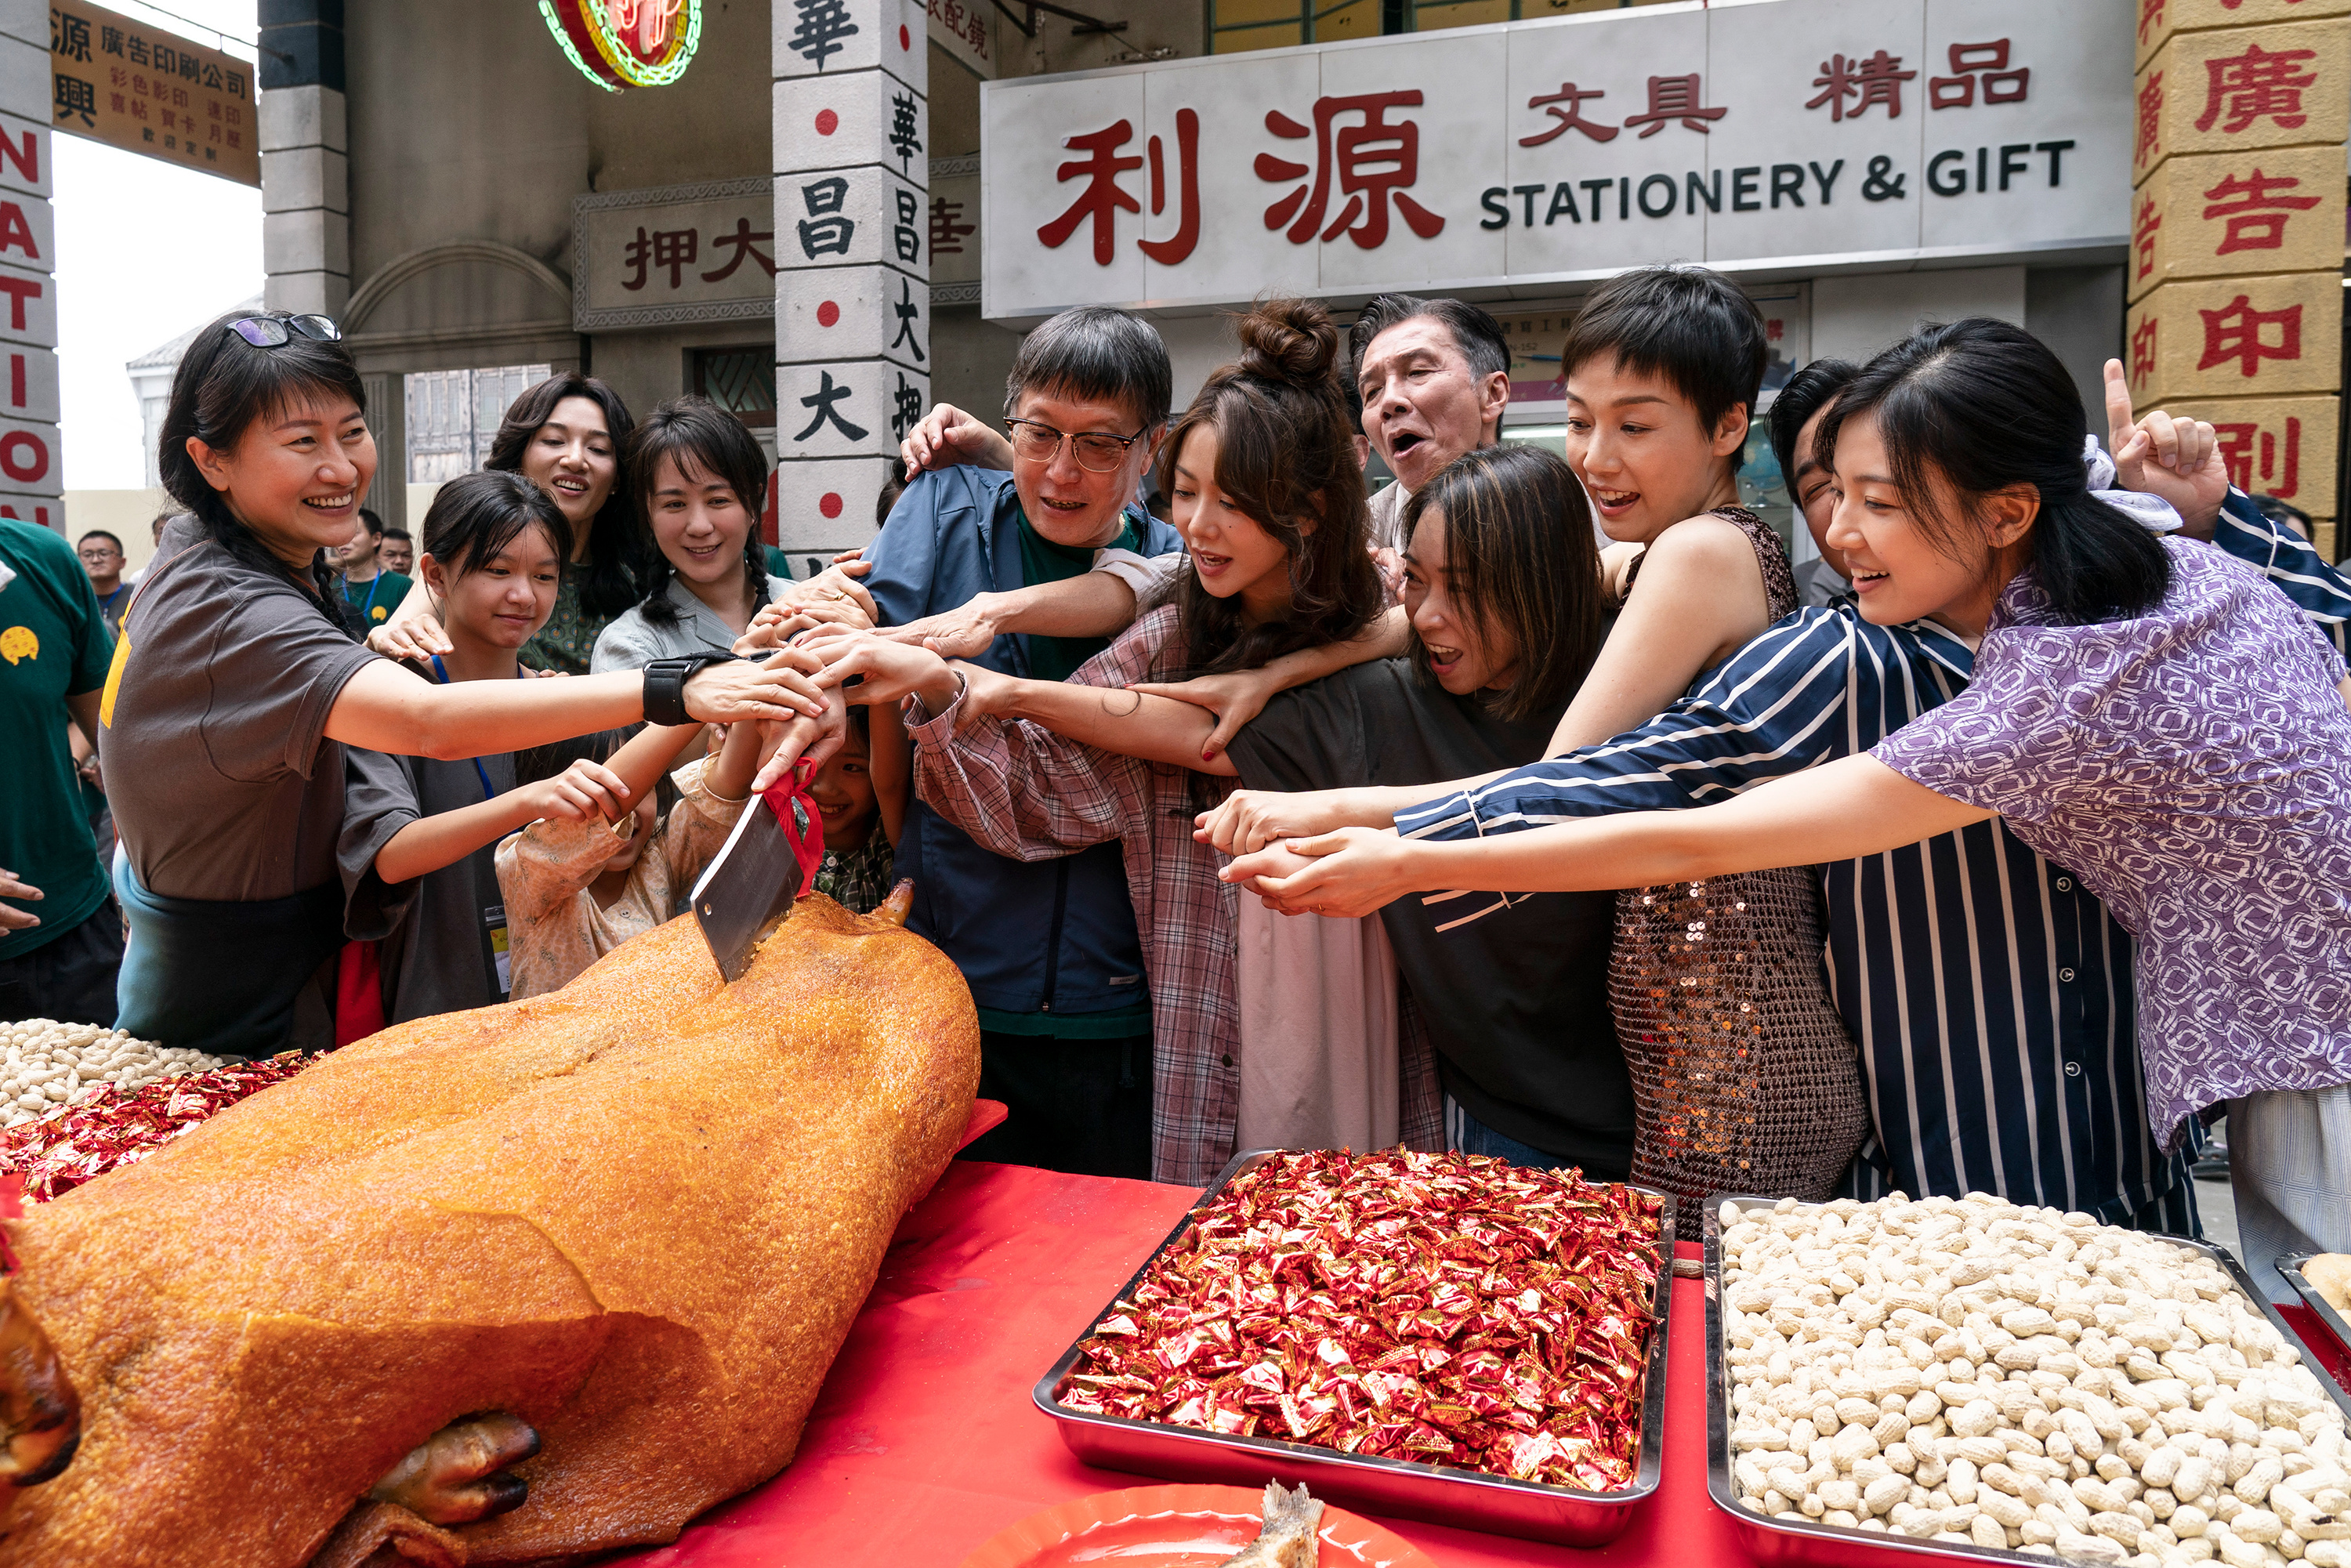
(2151, 712)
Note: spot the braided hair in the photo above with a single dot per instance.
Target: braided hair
(224, 386)
(700, 439)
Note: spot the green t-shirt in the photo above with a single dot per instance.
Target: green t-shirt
(53, 645)
(374, 600)
(1042, 560)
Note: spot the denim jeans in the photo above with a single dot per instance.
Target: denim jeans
(1465, 1134)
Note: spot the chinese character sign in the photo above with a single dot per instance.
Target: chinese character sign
(2241, 88)
(127, 83)
(682, 253)
(2236, 336)
(2285, 447)
(1558, 150)
(855, 229)
(2227, 214)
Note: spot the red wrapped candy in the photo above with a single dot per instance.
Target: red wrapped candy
(68, 1146)
(1447, 1308)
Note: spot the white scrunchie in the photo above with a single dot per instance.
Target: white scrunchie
(2150, 512)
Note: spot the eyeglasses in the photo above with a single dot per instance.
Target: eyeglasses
(276, 332)
(1099, 451)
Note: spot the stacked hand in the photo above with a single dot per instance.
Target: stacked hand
(1347, 874)
(780, 687)
(1248, 820)
(832, 597)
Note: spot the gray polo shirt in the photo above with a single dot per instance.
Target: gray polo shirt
(223, 785)
(633, 641)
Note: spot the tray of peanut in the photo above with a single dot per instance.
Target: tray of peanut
(1975, 1379)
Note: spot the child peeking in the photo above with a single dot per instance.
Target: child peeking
(855, 871)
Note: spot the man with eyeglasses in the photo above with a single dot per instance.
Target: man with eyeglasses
(1049, 947)
(102, 558)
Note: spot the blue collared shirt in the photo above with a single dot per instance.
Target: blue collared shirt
(1991, 994)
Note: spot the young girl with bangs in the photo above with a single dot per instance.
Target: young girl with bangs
(237, 684)
(2152, 713)
(1267, 492)
(700, 480)
(418, 832)
(565, 435)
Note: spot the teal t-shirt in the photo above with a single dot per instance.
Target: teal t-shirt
(1042, 560)
(374, 600)
(53, 645)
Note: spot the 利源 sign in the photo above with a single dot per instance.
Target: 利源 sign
(134, 86)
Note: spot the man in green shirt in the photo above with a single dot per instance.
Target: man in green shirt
(60, 938)
(372, 591)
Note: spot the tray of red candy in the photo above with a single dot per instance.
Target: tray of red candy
(1444, 1337)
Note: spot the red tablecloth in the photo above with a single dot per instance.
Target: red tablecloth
(923, 1442)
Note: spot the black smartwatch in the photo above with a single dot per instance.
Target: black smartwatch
(665, 686)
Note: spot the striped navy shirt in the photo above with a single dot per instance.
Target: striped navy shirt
(2017, 976)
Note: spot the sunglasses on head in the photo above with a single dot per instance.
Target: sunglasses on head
(276, 332)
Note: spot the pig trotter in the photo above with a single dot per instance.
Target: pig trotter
(901, 901)
(40, 1414)
(457, 1476)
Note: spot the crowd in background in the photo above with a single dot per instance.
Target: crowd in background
(1530, 807)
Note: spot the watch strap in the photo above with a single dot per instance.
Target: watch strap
(665, 685)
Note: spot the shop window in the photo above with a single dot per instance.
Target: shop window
(740, 381)
(453, 417)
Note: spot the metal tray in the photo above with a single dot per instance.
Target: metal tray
(2290, 1267)
(1441, 1494)
(1780, 1541)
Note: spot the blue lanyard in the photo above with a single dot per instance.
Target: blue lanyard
(374, 585)
(480, 772)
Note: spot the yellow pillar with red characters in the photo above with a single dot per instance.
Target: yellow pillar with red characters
(2235, 279)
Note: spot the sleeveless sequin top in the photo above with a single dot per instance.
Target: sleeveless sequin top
(1744, 1077)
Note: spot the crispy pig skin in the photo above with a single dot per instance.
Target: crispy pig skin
(638, 1213)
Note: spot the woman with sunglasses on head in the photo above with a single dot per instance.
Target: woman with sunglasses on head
(569, 436)
(237, 684)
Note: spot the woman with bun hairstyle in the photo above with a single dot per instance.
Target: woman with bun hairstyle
(699, 479)
(237, 684)
(568, 436)
(1267, 491)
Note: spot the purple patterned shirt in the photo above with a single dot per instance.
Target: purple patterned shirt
(2193, 766)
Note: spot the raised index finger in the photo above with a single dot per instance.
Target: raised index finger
(2118, 406)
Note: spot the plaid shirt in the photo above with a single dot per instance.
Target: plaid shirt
(1024, 792)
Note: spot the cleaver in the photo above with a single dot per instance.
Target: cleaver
(766, 863)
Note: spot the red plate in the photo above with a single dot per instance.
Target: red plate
(1177, 1527)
